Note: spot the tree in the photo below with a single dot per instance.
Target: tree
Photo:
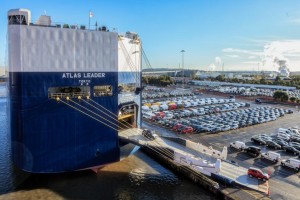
(284, 97)
(280, 95)
(263, 81)
(293, 99)
(220, 78)
(277, 79)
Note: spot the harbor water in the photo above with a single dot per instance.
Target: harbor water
(136, 177)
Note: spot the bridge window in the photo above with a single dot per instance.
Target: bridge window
(103, 90)
(17, 19)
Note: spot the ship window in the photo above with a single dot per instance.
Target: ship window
(103, 90)
(68, 91)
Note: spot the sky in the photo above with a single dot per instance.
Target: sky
(236, 34)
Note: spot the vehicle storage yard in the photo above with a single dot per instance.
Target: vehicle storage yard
(237, 123)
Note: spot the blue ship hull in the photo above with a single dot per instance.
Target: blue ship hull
(48, 136)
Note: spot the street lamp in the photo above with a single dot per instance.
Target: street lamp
(183, 79)
(182, 53)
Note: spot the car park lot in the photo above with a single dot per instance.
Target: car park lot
(194, 114)
(284, 182)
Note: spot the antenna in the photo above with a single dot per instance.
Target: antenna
(45, 12)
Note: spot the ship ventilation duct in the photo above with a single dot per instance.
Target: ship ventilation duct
(44, 20)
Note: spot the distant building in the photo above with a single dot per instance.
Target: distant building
(246, 75)
(3, 78)
(217, 84)
(295, 73)
(169, 72)
(2, 71)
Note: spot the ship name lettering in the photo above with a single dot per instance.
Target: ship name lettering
(71, 75)
(93, 75)
(83, 75)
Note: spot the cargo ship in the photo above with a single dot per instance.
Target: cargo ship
(60, 78)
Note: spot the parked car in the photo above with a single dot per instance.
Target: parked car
(271, 155)
(187, 129)
(257, 173)
(291, 149)
(237, 145)
(281, 142)
(273, 144)
(252, 150)
(292, 163)
(258, 140)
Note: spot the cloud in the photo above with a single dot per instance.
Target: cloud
(218, 60)
(233, 56)
(212, 67)
(242, 51)
(295, 21)
(251, 62)
(272, 55)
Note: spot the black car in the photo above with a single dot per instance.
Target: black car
(282, 143)
(273, 144)
(258, 140)
(296, 146)
(253, 150)
(295, 139)
(291, 149)
(258, 101)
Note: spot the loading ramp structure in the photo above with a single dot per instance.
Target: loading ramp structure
(199, 158)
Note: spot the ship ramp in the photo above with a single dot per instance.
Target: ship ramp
(197, 159)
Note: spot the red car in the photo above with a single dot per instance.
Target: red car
(176, 127)
(187, 129)
(257, 173)
(172, 107)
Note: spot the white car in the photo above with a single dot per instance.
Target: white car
(238, 145)
(292, 163)
(271, 155)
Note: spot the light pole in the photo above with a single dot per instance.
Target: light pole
(183, 79)
(182, 53)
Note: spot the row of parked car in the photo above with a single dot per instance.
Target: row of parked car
(225, 121)
(252, 91)
(285, 139)
(177, 103)
(164, 94)
(190, 112)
